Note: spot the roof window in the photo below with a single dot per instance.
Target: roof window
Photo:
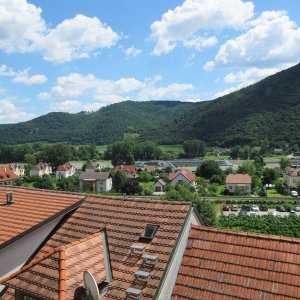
(149, 233)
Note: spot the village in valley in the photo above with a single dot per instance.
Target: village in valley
(149, 150)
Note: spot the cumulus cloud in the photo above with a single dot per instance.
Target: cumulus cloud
(183, 25)
(74, 106)
(273, 39)
(105, 92)
(22, 76)
(23, 29)
(132, 51)
(9, 113)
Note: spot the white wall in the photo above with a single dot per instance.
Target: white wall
(15, 255)
(180, 177)
(166, 289)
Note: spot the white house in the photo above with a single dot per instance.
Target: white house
(159, 186)
(183, 175)
(95, 181)
(292, 177)
(41, 169)
(243, 181)
(64, 171)
(128, 170)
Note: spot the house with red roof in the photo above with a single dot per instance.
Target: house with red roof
(183, 175)
(92, 167)
(64, 171)
(159, 186)
(243, 181)
(292, 177)
(7, 176)
(129, 170)
(41, 169)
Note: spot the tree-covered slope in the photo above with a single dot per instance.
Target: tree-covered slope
(268, 110)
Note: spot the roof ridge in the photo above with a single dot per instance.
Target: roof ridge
(249, 234)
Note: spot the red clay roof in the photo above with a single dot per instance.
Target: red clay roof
(126, 168)
(58, 273)
(189, 175)
(125, 222)
(225, 264)
(64, 167)
(7, 174)
(293, 172)
(150, 168)
(31, 208)
(238, 179)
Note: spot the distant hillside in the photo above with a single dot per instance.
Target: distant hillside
(269, 109)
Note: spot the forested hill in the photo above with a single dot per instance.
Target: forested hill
(268, 110)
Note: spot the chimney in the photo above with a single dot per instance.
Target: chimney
(9, 197)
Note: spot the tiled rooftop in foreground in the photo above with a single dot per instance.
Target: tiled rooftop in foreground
(31, 209)
(225, 264)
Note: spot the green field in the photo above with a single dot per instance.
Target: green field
(171, 148)
(101, 148)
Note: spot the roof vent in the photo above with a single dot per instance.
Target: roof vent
(9, 197)
(132, 293)
(142, 275)
(137, 248)
(149, 259)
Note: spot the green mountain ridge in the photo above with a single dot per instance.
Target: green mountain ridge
(267, 110)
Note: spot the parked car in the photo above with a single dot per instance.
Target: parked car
(225, 207)
(234, 208)
(252, 213)
(292, 213)
(274, 214)
(242, 212)
(246, 207)
(263, 208)
(294, 193)
(296, 208)
(254, 208)
(280, 208)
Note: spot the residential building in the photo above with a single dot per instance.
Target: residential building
(17, 169)
(64, 171)
(183, 175)
(226, 264)
(7, 176)
(95, 182)
(92, 167)
(243, 181)
(292, 177)
(159, 186)
(41, 169)
(27, 216)
(129, 170)
(146, 241)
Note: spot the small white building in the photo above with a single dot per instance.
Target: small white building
(159, 186)
(65, 171)
(183, 175)
(92, 167)
(243, 181)
(95, 182)
(292, 177)
(41, 169)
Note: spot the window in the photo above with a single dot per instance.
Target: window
(149, 233)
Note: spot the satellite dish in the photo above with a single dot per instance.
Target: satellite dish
(91, 285)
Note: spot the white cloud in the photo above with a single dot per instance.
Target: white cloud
(9, 113)
(22, 29)
(184, 23)
(22, 76)
(75, 38)
(272, 40)
(132, 51)
(74, 106)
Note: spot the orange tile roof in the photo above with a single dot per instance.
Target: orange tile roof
(31, 209)
(238, 179)
(293, 172)
(125, 222)
(225, 264)
(58, 273)
(7, 174)
(126, 168)
(150, 168)
(189, 175)
(64, 167)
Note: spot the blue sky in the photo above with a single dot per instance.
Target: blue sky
(84, 54)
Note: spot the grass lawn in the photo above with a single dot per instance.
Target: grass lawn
(101, 148)
(217, 157)
(273, 193)
(171, 148)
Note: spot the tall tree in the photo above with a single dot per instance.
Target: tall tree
(208, 169)
(194, 148)
(121, 153)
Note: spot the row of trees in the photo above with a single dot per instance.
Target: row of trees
(55, 154)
